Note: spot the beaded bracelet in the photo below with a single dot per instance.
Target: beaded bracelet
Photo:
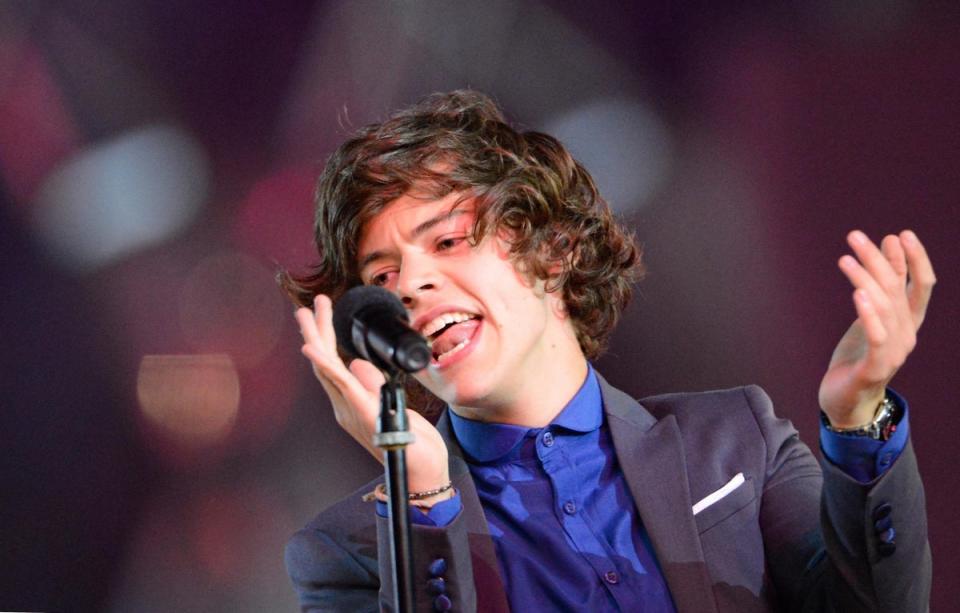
(380, 493)
(429, 493)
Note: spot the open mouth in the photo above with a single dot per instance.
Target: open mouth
(450, 333)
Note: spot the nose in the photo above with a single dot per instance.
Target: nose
(416, 277)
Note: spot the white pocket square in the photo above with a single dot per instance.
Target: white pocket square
(720, 494)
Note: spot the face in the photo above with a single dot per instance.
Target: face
(498, 339)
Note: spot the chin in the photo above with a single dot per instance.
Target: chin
(457, 393)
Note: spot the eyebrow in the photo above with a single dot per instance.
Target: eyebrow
(418, 231)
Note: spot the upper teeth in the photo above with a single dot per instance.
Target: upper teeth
(439, 323)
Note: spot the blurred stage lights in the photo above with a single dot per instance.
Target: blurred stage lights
(124, 195)
(229, 303)
(193, 399)
(275, 219)
(208, 545)
(623, 143)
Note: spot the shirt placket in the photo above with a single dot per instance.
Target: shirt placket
(553, 452)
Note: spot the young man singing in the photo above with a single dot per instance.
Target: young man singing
(543, 488)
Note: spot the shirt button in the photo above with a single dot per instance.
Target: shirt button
(548, 439)
(611, 577)
(569, 507)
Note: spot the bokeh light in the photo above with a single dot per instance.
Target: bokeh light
(229, 303)
(275, 220)
(123, 195)
(36, 130)
(629, 173)
(206, 547)
(193, 398)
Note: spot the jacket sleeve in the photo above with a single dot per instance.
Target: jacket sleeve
(442, 568)
(332, 561)
(341, 561)
(327, 576)
(832, 543)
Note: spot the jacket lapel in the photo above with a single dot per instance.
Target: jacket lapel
(651, 455)
(483, 556)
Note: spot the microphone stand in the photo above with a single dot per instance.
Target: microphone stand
(393, 435)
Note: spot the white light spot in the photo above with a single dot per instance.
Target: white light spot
(132, 192)
(623, 144)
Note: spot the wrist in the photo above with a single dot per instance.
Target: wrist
(886, 416)
(426, 499)
(419, 482)
(860, 415)
(423, 499)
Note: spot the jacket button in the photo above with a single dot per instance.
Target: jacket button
(442, 603)
(437, 567)
(437, 586)
(888, 536)
(886, 549)
(882, 510)
(882, 525)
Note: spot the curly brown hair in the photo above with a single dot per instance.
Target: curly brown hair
(525, 184)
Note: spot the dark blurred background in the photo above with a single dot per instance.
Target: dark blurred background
(161, 435)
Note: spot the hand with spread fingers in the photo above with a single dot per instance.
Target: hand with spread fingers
(892, 284)
(354, 392)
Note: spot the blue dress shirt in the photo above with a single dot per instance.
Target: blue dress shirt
(567, 534)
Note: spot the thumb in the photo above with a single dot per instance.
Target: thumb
(369, 375)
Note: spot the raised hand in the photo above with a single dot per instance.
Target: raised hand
(355, 395)
(892, 285)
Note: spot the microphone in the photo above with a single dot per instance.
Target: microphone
(372, 324)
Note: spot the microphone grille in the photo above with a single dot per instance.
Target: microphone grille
(356, 300)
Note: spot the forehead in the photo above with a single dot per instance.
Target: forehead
(409, 217)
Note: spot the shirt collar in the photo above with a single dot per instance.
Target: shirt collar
(489, 442)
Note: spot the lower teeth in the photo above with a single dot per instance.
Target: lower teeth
(453, 349)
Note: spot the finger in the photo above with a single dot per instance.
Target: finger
(872, 259)
(350, 394)
(325, 364)
(328, 386)
(922, 278)
(873, 327)
(893, 251)
(323, 315)
(861, 279)
(308, 325)
(322, 369)
(367, 374)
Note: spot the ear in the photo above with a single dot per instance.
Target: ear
(558, 258)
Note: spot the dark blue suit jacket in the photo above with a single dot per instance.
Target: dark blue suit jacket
(773, 543)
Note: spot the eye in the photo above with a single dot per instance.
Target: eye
(449, 242)
(381, 279)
